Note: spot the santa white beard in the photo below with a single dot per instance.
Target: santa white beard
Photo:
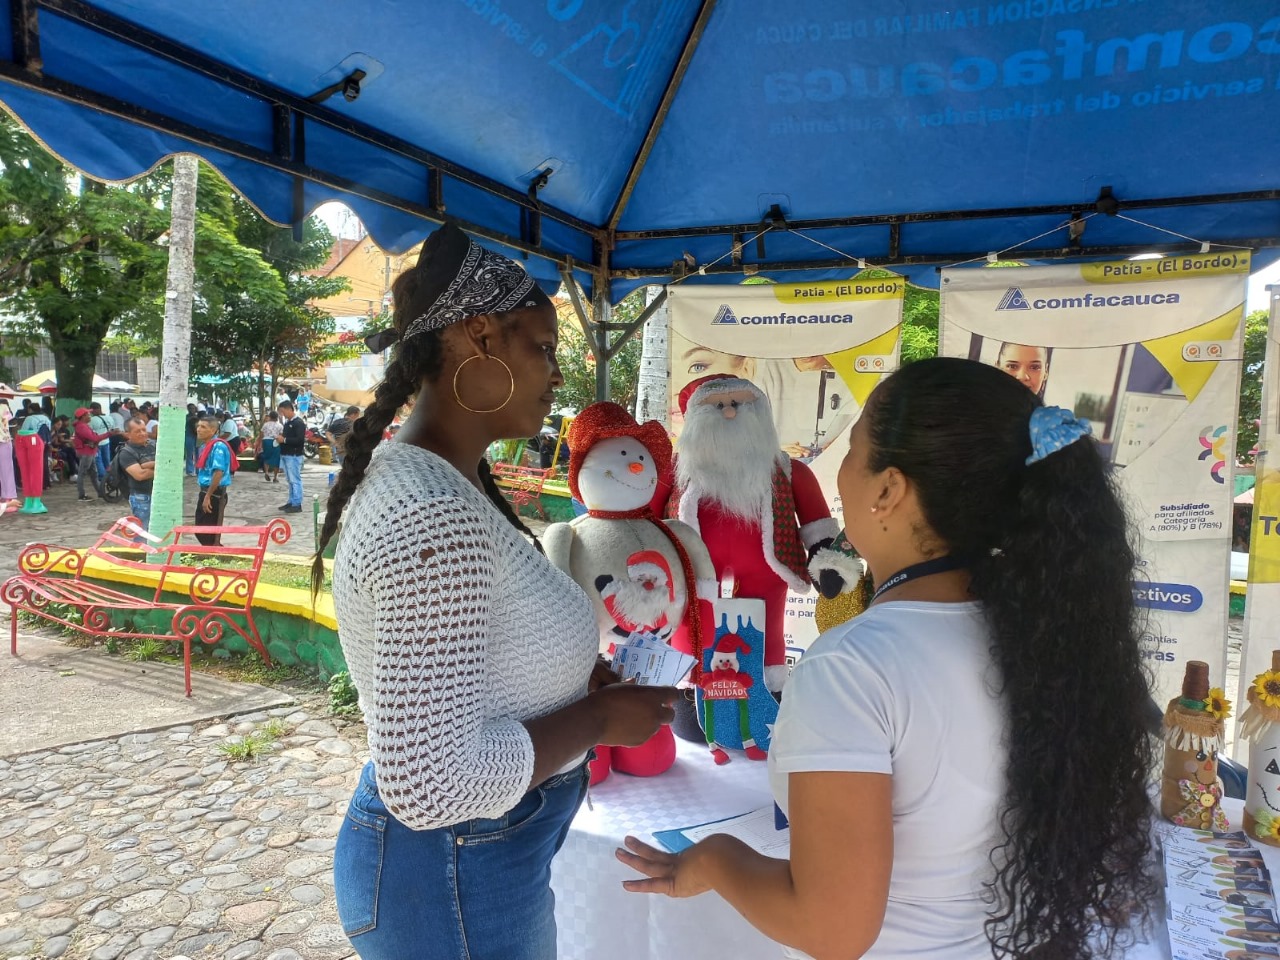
(730, 462)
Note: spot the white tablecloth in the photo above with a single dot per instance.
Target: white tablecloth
(598, 920)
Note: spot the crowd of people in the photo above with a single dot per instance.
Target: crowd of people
(111, 454)
(75, 447)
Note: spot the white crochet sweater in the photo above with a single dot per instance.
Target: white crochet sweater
(455, 630)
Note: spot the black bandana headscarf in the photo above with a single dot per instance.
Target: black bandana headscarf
(462, 279)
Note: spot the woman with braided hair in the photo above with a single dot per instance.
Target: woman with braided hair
(965, 764)
(479, 723)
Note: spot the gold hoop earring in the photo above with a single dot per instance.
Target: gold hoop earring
(510, 392)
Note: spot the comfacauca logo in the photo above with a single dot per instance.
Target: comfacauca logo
(1214, 441)
(1013, 300)
(724, 316)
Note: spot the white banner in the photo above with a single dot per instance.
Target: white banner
(816, 350)
(1262, 600)
(1148, 351)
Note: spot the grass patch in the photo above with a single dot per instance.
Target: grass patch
(254, 745)
(343, 698)
(64, 610)
(146, 649)
(280, 573)
(250, 669)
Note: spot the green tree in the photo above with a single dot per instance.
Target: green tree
(282, 338)
(77, 257)
(1255, 356)
(81, 260)
(920, 307)
(578, 362)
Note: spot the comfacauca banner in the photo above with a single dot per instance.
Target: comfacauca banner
(1148, 351)
(816, 350)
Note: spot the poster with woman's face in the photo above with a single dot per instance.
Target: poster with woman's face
(1147, 353)
(1128, 398)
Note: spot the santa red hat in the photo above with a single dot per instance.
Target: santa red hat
(693, 386)
(604, 420)
(730, 643)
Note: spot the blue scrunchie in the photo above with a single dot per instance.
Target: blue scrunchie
(1053, 428)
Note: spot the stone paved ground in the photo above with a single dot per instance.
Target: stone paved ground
(156, 846)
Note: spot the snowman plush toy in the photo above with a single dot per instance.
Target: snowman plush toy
(644, 576)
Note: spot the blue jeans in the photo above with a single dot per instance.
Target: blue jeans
(189, 455)
(104, 459)
(140, 507)
(293, 473)
(479, 890)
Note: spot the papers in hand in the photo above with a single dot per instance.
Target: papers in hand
(648, 661)
(757, 829)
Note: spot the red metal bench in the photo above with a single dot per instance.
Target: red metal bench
(211, 601)
(522, 485)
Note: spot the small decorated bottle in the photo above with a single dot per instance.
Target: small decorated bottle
(1190, 792)
(1260, 725)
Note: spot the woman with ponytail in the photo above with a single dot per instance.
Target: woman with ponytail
(965, 764)
(479, 722)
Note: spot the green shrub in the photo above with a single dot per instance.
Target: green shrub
(344, 701)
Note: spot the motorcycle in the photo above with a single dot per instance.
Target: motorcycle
(313, 442)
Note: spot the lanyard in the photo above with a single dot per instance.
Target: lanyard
(926, 568)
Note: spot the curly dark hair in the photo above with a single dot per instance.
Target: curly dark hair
(1048, 548)
(415, 360)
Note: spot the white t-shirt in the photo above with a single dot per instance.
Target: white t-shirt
(907, 689)
(101, 423)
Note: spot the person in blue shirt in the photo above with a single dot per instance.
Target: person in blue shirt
(213, 474)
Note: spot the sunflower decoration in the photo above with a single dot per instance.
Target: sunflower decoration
(1266, 688)
(1267, 827)
(1217, 704)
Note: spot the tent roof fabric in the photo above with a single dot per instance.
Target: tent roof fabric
(639, 141)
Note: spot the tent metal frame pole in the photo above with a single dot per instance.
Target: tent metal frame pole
(579, 311)
(660, 115)
(898, 220)
(597, 334)
(120, 29)
(942, 259)
(628, 330)
(24, 22)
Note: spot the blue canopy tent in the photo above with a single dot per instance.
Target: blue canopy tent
(627, 143)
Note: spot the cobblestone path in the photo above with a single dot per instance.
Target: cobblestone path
(155, 846)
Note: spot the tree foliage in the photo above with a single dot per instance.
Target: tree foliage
(920, 307)
(76, 257)
(282, 337)
(82, 260)
(1255, 355)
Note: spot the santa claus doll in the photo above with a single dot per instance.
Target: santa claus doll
(641, 572)
(762, 515)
